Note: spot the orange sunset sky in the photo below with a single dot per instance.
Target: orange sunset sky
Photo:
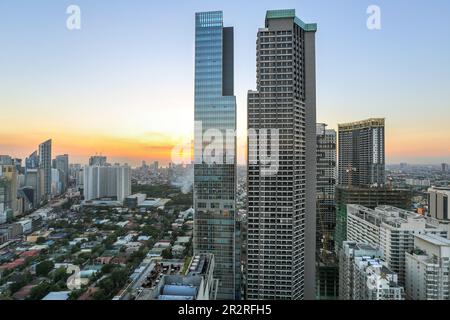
(122, 86)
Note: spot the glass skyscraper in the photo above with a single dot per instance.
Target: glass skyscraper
(215, 150)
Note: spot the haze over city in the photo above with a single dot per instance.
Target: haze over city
(123, 85)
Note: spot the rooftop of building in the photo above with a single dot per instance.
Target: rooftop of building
(136, 195)
(388, 215)
(434, 239)
(360, 188)
(62, 295)
(165, 284)
(360, 249)
(363, 124)
(445, 189)
(290, 14)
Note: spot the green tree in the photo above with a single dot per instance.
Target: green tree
(119, 277)
(107, 284)
(22, 281)
(107, 268)
(60, 275)
(100, 295)
(167, 254)
(40, 291)
(43, 268)
(40, 240)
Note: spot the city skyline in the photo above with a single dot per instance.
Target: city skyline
(81, 85)
(312, 181)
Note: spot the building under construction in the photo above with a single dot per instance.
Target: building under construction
(327, 278)
(369, 197)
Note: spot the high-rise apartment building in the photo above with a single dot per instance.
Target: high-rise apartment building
(8, 191)
(439, 203)
(76, 173)
(97, 161)
(32, 161)
(361, 153)
(428, 269)
(33, 180)
(327, 279)
(367, 197)
(390, 229)
(282, 161)
(215, 170)
(326, 186)
(6, 160)
(45, 164)
(62, 165)
(107, 182)
(365, 276)
(8, 174)
(350, 251)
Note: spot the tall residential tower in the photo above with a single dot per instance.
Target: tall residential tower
(282, 173)
(215, 150)
(45, 165)
(326, 186)
(361, 153)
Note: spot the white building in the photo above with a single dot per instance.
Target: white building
(27, 225)
(391, 229)
(418, 182)
(3, 214)
(373, 280)
(438, 202)
(107, 182)
(363, 275)
(428, 268)
(56, 186)
(350, 251)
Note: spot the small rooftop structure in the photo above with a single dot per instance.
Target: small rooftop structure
(61, 295)
(196, 284)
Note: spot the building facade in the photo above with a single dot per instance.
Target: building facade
(8, 175)
(45, 164)
(32, 161)
(367, 197)
(373, 280)
(326, 186)
(215, 170)
(350, 251)
(97, 161)
(361, 153)
(62, 165)
(428, 268)
(107, 182)
(364, 275)
(282, 191)
(390, 229)
(327, 276)
(438, 203)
